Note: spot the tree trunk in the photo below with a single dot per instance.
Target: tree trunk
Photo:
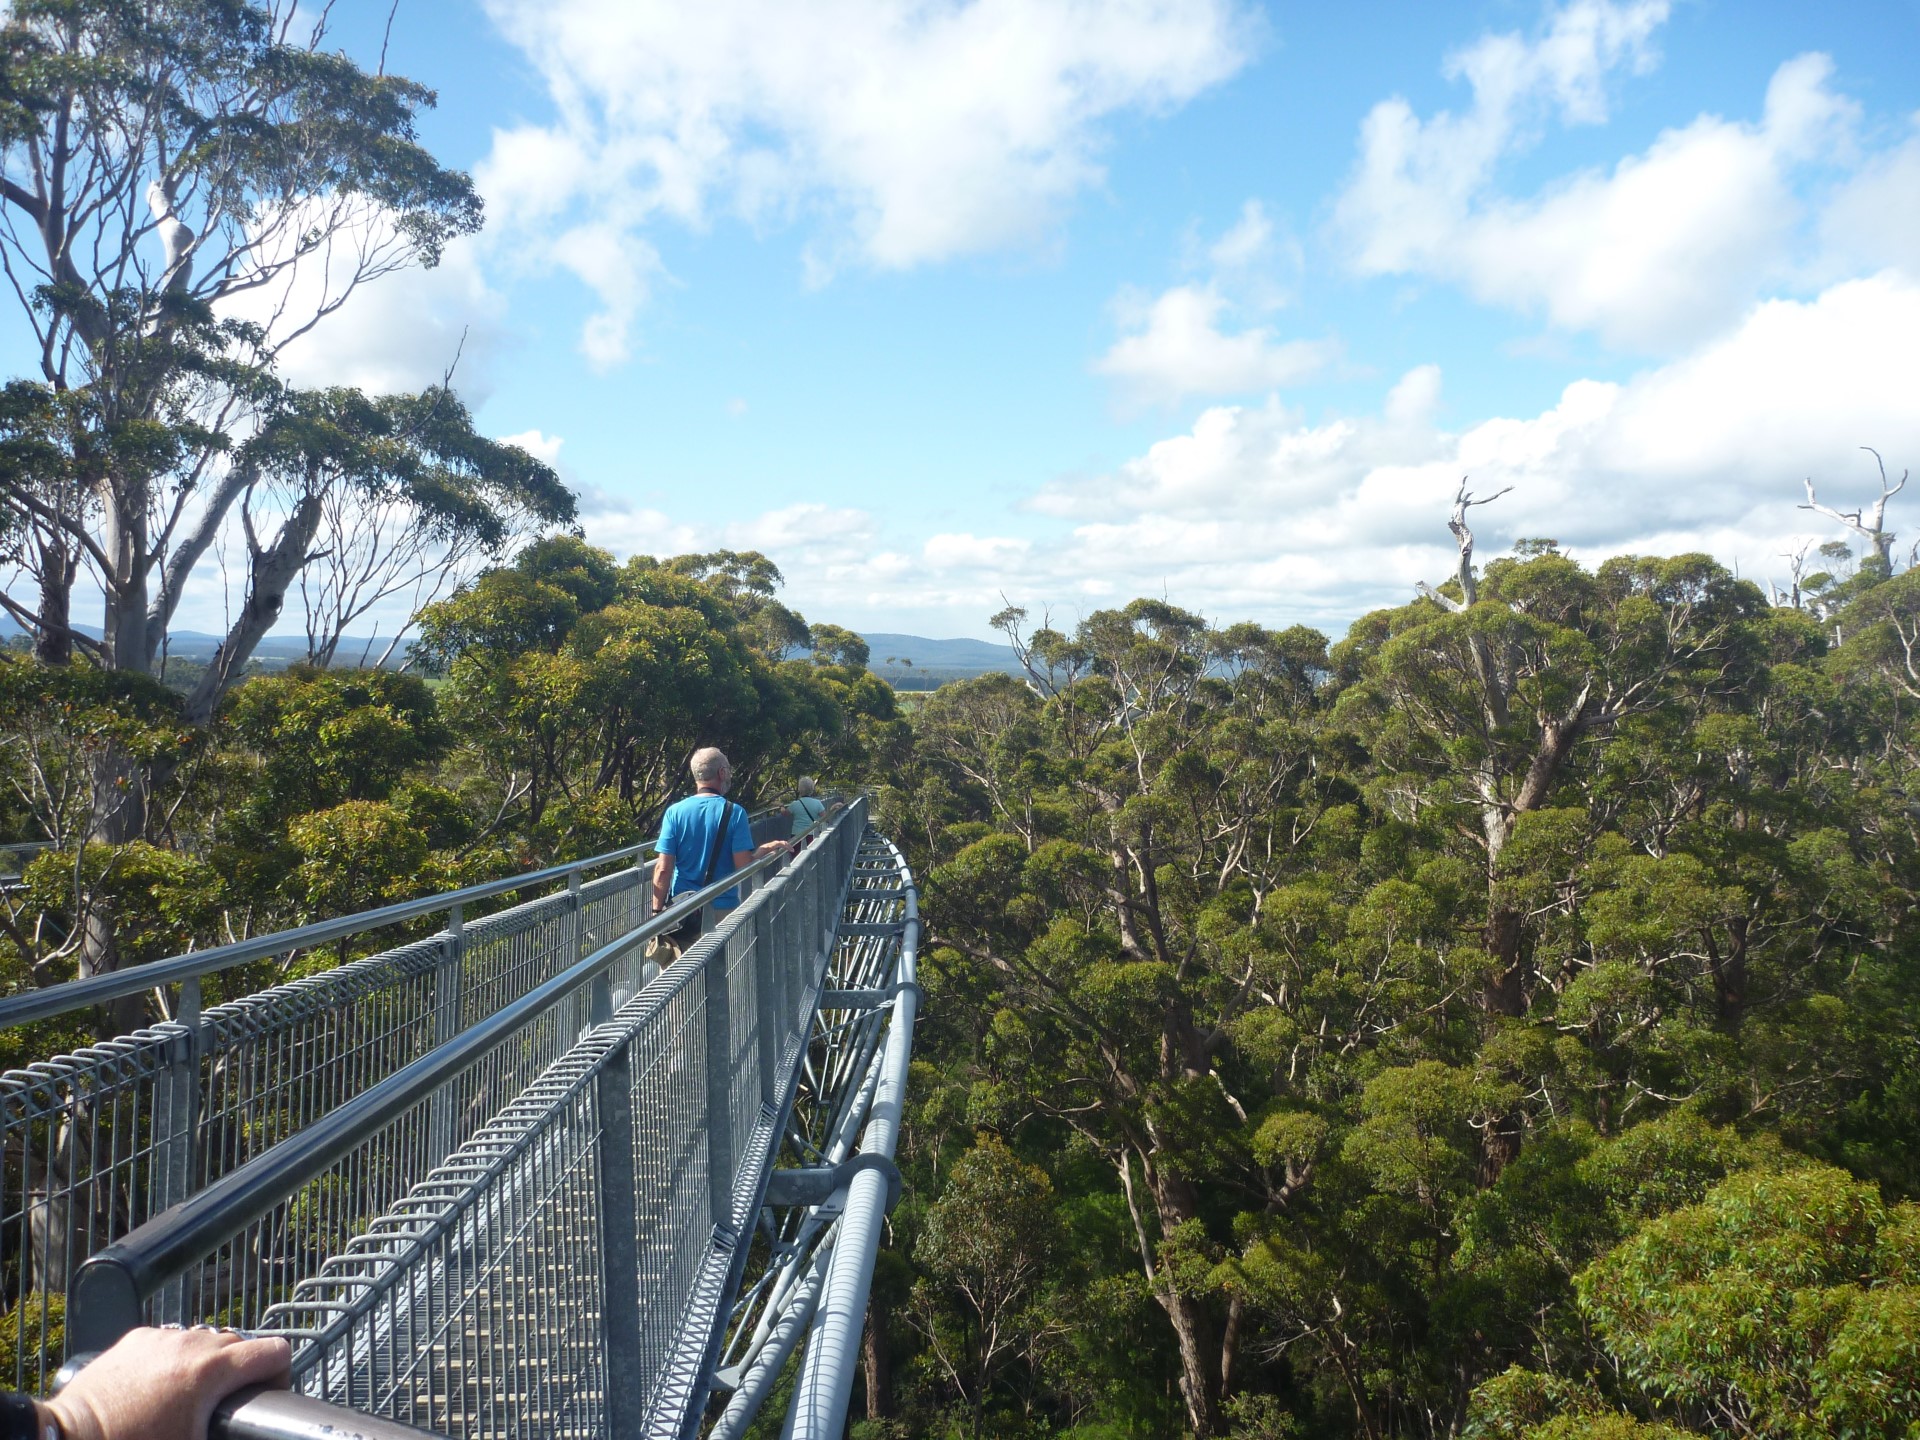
(51, 1229)
(1193, 1324)
(274, 569)
(54, 644)
(125, 637)
(873, 1355)
(1506, 991)
(1730, 971)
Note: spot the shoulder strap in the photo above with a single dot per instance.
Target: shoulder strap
(719, 839)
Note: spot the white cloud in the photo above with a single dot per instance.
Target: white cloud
(807, 526)
(1416, 179)
(1256, 512)
(967, 551)
(1248, 243)
(625, 529)
(542, 447)
(918, 133)
(1253, 512)
(1181, 350)
(1177, 344)
(1874, 219)
(400, 331)
(1663, 249)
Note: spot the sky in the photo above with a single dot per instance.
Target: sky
(949, 304)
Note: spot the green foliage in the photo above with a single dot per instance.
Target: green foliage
(1377, 993)
(35, 1326)
(355, 856)
(573, 692)
(1782, 1305)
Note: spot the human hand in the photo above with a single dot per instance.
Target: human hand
(165, 1384)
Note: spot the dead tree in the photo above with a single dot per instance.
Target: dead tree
(1463, 501)
(1874, 532)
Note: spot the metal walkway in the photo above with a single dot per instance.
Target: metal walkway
(509, 1179)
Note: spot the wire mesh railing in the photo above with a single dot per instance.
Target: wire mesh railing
(507, 1180)
(808, 1277)
(547, 1278)
(95, 1143)
(567, 1268)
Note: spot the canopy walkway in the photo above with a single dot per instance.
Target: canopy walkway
(504, 1179)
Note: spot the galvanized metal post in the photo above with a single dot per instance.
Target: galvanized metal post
(447, 984)
(766, 1009)
(178, 1123)
(619, 1199)
(579, 916)
(719, 1068)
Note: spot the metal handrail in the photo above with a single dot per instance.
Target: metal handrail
(824, 1387)
(98, 989)
(112, 1286)
(287, 1415)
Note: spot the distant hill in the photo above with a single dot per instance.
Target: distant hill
(979, 656)
(933, 662)
(920, 663)
(274, 651)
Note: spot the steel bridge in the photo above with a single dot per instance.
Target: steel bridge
(508, 1178)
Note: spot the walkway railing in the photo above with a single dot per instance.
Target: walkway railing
(94, 1143)
(601, 1200)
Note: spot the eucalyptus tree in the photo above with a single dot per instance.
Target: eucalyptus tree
(1485, 691)
(160, 160)
(1152, 785)
(581, 686)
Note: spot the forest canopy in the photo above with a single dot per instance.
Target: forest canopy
(1500, 1023)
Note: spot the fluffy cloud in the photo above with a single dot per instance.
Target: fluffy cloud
(807, 528)
(1177, 344)
(1416, 180)
(920, 132)
(1874, 218)
(399, 330)
(1181, 350)
(541, 446)
(1253, 512)
(1248, 243)
(1667, 247)
(1256, 512)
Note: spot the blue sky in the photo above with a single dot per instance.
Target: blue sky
(1074, 301)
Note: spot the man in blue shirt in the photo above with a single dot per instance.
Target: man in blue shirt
(703, 838)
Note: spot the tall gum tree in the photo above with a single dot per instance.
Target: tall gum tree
(159, 160)
(1489, 686)
(1154, 778)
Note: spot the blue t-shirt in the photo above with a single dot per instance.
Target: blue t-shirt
(686, 833)
(805, 811)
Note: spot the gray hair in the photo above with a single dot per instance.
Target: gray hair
(805, 787)
(709, 764)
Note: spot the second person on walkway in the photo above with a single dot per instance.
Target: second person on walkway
(703, 838)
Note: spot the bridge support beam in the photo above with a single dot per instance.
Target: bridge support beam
(619, 1237)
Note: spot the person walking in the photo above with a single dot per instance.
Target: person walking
(703, 838)
(806, 808)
